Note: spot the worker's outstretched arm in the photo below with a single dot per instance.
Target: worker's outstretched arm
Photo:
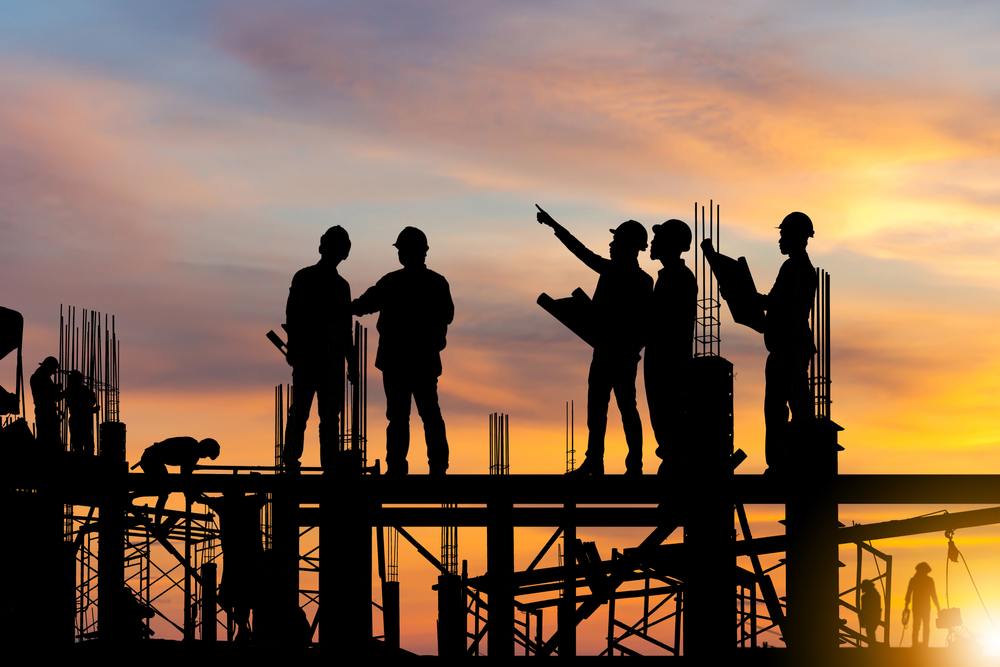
(588, 257)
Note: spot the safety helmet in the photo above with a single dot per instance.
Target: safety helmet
(411, 238)
(632, 233)
(797, 224)
(675, 230)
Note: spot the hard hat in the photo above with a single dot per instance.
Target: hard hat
(411, 238)
(798, 224)
(677, 230)
(49, 361)
(632, 233)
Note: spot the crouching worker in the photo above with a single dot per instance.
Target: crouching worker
(181, 451)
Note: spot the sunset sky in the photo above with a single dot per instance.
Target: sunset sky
(175, 164)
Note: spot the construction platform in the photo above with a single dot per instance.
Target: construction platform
(696, 571)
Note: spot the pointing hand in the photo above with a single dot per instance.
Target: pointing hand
(543, 217)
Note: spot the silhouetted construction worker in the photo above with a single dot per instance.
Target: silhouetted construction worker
(669, 343)
(871, 611)
(318, 321)
(415, 309)
(180, 451)
(788, 338)
(921, 590)
(242, 554)
(82, 406)
(621, 303)
(45, 396)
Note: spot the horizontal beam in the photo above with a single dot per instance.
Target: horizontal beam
(470, 517)
(883, 530)
(76, 484)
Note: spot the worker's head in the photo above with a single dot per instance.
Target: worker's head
(796, 230)
(630, 238)
(335, 244)
(670, 239)
(867, 586)
(923, 568)
(75, 377)
(209, 447)
(412, 246)
(49, 364)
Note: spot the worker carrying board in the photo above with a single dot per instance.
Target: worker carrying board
(787, 336)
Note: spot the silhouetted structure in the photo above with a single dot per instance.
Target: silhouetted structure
(82, 405)
(685, 587)
(318, 322)
(11, 338)
(667, 359)
(183, 451)
(415, 309)
(620, 306)
(45, 396)
(921, 591)
(135, 614)
(275, 621)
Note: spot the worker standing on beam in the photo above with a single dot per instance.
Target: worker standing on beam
(318, 322)
(45, 396)
(82, 406)
(621, 303)
(415, 309)
(788, 338)
(921, 591)
(669, 345)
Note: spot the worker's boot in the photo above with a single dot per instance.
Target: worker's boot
(588, 467)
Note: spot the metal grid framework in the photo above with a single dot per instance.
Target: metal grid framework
(883, 579)
(708, 317)
(570, 437)
(759, 609)
(819, 367)
(152, 572)
(661, 611)
(147, 578)
(658, 625)
(355, 407)
(85, 545)
(93, 350)
(499, 444)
